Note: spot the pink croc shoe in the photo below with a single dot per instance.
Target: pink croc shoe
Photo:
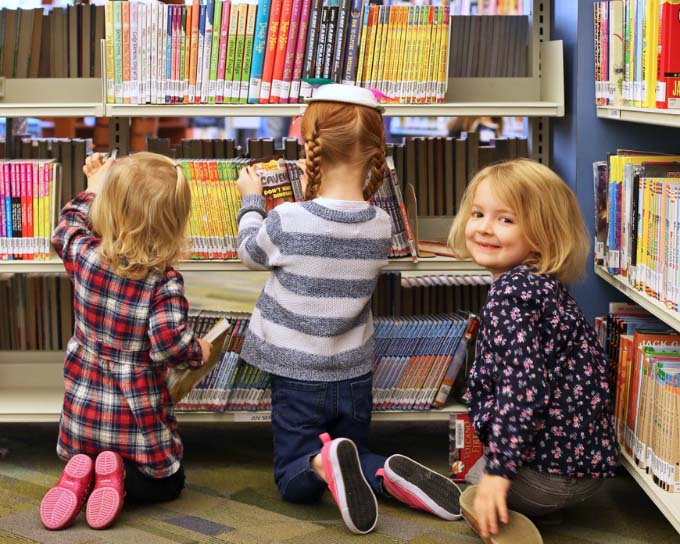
(420, 487)
(106, 500)
(61, 504)
(352, 494)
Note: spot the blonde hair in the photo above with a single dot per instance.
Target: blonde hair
(141, 214)
(336, 132)
(546, 210)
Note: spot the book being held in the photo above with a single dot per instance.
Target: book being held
(182, 380)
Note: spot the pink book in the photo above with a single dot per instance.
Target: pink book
(224, 30)
(270, 51)
(289, 59)
(299, 52)
(281, 47)
(174, 70)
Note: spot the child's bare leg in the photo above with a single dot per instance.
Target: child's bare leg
(317, 467)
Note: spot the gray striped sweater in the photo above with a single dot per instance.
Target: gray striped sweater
(313, 319)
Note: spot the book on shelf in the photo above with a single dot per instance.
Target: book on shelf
(205, 53)
(637, 53)
(182, 380)
(280, 182)
(465, 449)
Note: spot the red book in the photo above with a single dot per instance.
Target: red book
(669, 66)
(270, 52)
(289, 57)
(281, 47)
(299, 59)
(465, 448)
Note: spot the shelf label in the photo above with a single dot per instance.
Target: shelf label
(614, 114)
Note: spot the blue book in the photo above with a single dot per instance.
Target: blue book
(350, 59)
(259, 48)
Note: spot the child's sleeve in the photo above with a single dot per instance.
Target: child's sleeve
(258, 234)
(173, 342)
(509, 391)
(73, 232)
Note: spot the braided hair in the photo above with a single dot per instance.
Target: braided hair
(336, 132)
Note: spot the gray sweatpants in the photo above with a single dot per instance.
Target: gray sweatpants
(535, 494)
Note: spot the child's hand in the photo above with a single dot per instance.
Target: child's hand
(95, 168)
(249, 182)
(206, 348)
(491, 503)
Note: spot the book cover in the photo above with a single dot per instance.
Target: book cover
(276, 185)
(465, 449)
(181, 381)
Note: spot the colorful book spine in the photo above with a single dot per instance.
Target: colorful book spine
(350, 58)
(259, 46)
(238, 54)
(248, 50)
(270, 51)
(215, 50)
(281, 46)
(226, 71)
(289, 56)
(299, 60)
(109, 47)
(308, 66)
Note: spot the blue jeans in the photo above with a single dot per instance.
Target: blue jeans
(303, 410)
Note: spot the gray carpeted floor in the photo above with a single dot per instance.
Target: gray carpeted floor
(231, 497)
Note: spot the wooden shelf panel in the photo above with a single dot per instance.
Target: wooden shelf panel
(435, 264)
(650, 304)
(667, 503)
(43, 404)
(648, 116)
(52, 97)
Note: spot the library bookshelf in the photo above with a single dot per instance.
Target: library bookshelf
(31, 382)
(668, 503)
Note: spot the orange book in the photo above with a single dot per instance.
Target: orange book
(270, 52)
(191, 62)
(281, 45)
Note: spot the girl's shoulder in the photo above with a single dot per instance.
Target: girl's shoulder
(523, 280)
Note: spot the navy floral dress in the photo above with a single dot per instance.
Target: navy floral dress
(538, 390)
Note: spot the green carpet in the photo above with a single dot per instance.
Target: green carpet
(231, 498)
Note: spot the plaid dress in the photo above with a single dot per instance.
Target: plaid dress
(126, 332)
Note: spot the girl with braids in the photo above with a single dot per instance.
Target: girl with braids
(312, 327)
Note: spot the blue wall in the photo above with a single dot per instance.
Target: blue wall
(580, 138)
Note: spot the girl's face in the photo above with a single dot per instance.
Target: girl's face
(492, 234)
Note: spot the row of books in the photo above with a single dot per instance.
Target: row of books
(400, 295)
(238, 51)
(61, 43)
(489, 7)
(213, 229)
(416, 363)
(439, 168)
(490, 46)
(637, 218)
(645, 356)
(36, 311)
(225, 148)
(29, 194)
(637, 53)
(70, 153)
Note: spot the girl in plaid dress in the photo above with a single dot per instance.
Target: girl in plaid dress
(118, 432)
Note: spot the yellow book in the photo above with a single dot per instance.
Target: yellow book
(649, 68)
(361, 52)
(108, 23)
(378, 49)
(411, 49)
(235, 201)
(194, 218)
(444, 56)
(370, 40)
(398, 76)
(229, 216)
(391, 51)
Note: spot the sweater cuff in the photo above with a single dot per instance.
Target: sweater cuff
(251, 203)
(501, 467)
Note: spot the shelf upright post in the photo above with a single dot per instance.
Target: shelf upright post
(119, 135)
(539, 127)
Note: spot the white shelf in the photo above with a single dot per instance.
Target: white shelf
(43, 404)
(668, 503)
(650, 304)
(504, 109)
(435, 264)
(648, 116)
(51, 97)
